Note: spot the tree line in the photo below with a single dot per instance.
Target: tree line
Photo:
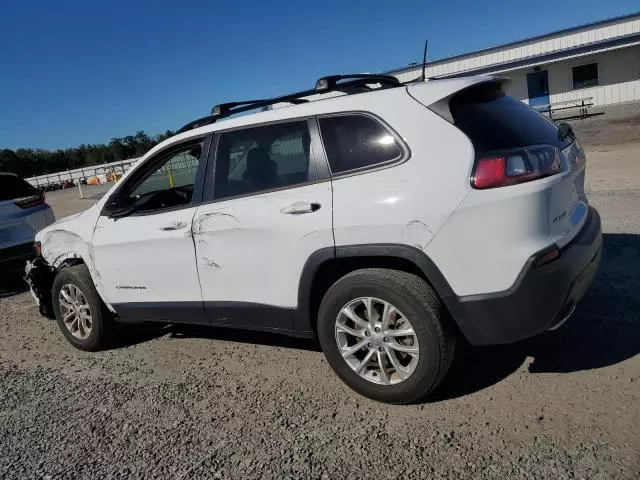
(29, 162)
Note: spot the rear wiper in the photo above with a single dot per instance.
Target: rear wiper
(565, 131)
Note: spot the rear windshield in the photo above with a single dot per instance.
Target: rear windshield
(495, 121)
(13, 187)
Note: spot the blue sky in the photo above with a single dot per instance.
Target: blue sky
(81, 71)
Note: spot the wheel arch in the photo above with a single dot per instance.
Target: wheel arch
(324, 267)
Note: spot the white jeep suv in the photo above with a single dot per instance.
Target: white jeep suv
(386, 222)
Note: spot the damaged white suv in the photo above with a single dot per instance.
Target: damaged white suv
(385, 222)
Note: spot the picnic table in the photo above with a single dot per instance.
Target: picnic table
(582, 104)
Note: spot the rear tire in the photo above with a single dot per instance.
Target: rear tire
(428, 350)
(81, 315)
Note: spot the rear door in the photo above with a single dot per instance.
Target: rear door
(269, 208)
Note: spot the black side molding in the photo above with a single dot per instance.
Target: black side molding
(302, 320)
(172, 312)
(249, 315)
(406, 252)
(240, 315)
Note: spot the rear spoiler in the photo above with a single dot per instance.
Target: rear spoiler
(435, 94)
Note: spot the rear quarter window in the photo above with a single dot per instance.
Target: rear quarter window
(13, 187)
(495, 121)
(357, 141)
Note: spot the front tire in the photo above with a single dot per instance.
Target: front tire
(81, 315)
(386, 334)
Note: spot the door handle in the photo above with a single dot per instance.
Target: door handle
(174, 226)
(299, 208)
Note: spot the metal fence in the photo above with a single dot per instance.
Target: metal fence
(83, 173)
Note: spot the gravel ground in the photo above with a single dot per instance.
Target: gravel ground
(190, 402)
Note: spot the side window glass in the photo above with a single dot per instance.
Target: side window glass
(170, 183)
(356, 141)
(262, 158)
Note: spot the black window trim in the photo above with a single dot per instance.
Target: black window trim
(318, 168)
(405, 151)
(578, 65)
(156, 159)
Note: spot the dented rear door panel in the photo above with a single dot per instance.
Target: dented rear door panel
(250, 253)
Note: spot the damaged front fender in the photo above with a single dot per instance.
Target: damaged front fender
(61, 248)
(66, 242)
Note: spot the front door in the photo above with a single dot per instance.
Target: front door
(146, 260)
(538, 88)
(269, 212)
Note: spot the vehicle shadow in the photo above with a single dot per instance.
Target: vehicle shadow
(604, 330)
(12, 284)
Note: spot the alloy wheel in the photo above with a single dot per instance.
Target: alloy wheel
(377, 340)
(75, 311)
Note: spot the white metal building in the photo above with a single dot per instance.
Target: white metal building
(599, 61)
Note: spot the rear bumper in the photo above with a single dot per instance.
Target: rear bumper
(541, 298)
(13, 259)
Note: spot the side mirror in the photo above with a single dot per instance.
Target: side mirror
(565, 131)
(118, 207)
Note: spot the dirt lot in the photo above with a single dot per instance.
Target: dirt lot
(211, 403)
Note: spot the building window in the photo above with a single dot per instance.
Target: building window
(585, 75)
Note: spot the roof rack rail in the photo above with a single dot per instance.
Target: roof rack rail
(351, 83)
(201, 122)
(326, 84)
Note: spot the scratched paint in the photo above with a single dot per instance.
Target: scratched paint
(417, 233)
(210, 263)
(213, 221)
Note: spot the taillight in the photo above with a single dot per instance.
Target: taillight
(517, 166)
(490, 172)
(30, 201)
(581, 157)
